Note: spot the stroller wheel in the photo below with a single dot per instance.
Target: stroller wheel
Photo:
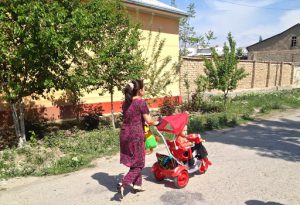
(182, 179)
(158, 176)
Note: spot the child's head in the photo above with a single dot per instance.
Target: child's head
(184, 131)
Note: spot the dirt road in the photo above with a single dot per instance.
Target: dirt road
(254, 164)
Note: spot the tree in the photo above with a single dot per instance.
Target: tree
(116, 57)
(156, 73)
(208, 37)
(187, 34)
(260, 39)
(173, 3)
(222, 73)
(38, 45)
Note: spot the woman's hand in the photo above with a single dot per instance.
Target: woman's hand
(150, 121)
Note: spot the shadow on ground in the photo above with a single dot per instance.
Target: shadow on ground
(257, 202)
(181, 197)
(110, 182)
(275, 139)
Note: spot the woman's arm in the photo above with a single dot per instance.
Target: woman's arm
(149, 120)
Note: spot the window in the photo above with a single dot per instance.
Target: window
(294, 41)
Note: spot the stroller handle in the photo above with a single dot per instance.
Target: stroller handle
(165, 142)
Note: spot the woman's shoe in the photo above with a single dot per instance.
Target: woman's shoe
(137, 188)
(120, 189)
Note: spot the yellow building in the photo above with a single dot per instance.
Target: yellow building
(153, 16)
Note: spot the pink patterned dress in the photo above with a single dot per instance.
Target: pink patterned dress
(132, 146)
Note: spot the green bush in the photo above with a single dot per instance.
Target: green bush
(223, 119)
(90, 122)
(212, 106)
(234, 121)
(38, 128)
(196, 124)
(212, 122)
(266, 108)
(168, 106)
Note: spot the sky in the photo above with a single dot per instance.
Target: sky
(245, 19)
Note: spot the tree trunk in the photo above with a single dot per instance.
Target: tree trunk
(16, 121)
(77, 108)
(112, 108)
(188, 97)
(22, 121)
(19, 121)
(225, 97)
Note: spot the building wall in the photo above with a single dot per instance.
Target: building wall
(167, 27)
(277, 48)
(262, 75)
(279, 42)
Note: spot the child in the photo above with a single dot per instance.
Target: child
(184, 140)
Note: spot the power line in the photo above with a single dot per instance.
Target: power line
(247, 5)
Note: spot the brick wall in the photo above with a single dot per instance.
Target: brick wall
(261, 75)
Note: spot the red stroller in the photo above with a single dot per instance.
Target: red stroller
(176, 165)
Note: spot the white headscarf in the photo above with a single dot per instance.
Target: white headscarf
(131, 85)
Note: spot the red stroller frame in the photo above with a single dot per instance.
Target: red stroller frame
(175, 164)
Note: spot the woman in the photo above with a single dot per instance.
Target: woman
(132, 147)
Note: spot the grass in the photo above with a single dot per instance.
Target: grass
(58, 153)
(241, 109)
(64, 151)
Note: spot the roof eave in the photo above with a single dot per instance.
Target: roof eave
(179, 13)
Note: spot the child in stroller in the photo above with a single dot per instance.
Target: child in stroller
(193, 141)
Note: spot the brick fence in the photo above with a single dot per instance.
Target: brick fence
(262, 75)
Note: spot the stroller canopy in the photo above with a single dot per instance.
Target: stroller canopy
(174, 123)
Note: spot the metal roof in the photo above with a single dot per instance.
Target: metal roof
(155, 4)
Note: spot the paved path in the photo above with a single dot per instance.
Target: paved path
(254, 164)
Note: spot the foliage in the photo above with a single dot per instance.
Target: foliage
(187, 34)
(222, 72)
(114, 41)
(71, 45)
(57, 153)
(90, 122)
(187, 86)
(211, 121)
(197, 98)
(201, 87)
(35, 46)
(173, 3)
(157, 72)
(168, 107)
(38, 45)
(205, 41)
